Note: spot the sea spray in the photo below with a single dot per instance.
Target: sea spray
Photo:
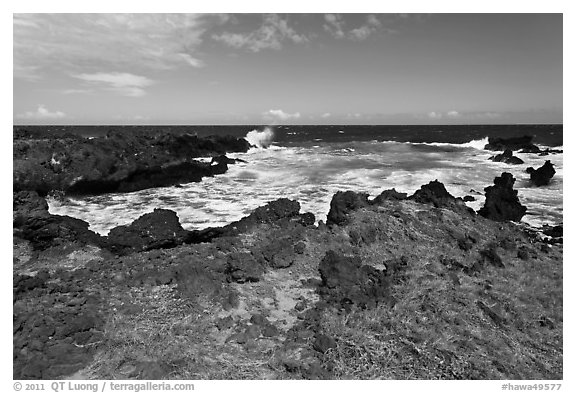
(260, 139)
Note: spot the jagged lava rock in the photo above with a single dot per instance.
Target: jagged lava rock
(121, 161)
(342, 203)
(502, 203)
(436, 194)
(523, 143)
(33, 222)
(346, 281)
(26, 204)
(389, 195)
(541, 176)
(159, 229)
(507, 157)
(553, 231)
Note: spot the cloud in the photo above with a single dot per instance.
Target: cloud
(270, 35)
(279, 114)
(435, 115)
(325, 115)
(41, 113)
(334, 25)
(196, 63)
(453, 114)
(372, 25)
(76, 43)
(123, 83)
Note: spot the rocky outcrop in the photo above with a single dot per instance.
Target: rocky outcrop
(433, 193)
(507, 157)
(553, 231)
(541, 176)
(389, 195)
(27, 204)
(296, 298)
(502, 203)
(436, 194)
(159, 229)
(222, 159)
(141, 179)
(124, 160)
(549, 151)
(33, 222)
(346, 281)
(523, 143)
(281, 212)
(342, 203)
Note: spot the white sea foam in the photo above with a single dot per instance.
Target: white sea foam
(261, 139)
(477, 143)
(313, 174)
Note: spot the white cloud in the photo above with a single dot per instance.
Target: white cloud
(453, 114)
(76, 43)
(372, 25)
(270, 35)
(279, 114)
(435, 115)
(41, 113)
(372, 20)
(196, 63)
(361, 33)
(123, 83)
(326, 115)
(334, 25)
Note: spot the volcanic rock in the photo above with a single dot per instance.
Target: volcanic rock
(45, 231)
(507, 157)
(343, 203)
(323, 343)
(346, 281)
(389, 195)
(502, 203)
(243, 267)
(159, 229)
(514, 143)
(121, 161)
(555, 231)
(541, 176)
(26, 204)
(436, 194)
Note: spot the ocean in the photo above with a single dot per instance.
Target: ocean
(311, 163)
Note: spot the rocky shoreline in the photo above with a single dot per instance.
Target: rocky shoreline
(396, 287)
(119, 162)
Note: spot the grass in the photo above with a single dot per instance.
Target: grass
(496, 323)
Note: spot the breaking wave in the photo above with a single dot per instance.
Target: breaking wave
(260, 139)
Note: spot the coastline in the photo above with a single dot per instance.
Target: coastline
(387, 284)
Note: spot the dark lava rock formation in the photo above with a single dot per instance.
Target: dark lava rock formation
(434, 193)
(502, 203)
(346, 281)
(342, 203)
(507, 157)
(121, 161)
(34, 223)
(523, 143)
(159, 229)
(543, 175)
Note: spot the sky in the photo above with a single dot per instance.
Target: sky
(287, 68)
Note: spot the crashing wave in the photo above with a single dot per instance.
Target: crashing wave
(477, 143)
(260, 139)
